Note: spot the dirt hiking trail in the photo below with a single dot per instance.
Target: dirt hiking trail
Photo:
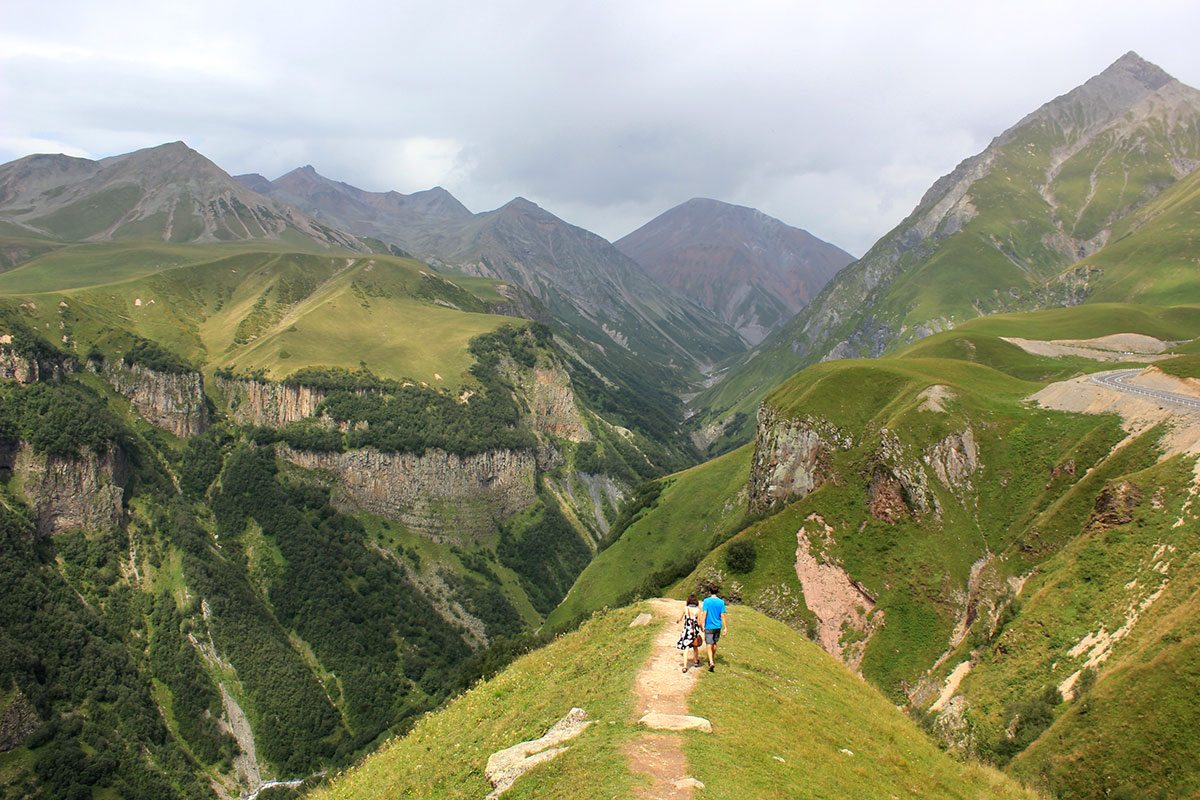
(662, 687)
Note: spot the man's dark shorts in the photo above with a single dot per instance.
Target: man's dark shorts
(712, 635)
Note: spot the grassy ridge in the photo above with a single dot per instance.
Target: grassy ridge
(1031, 506)
(444, 755)
(782, 711)
(913, 565)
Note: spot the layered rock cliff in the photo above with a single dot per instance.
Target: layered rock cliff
(270, 404)
(171, 401)
(438, 494)
(67, 493)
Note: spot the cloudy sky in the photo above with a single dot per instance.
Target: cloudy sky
(832, 116)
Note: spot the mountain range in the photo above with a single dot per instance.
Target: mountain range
(167, 193)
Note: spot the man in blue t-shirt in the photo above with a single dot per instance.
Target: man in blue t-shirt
(712, 619)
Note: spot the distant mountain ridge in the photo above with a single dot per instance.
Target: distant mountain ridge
(1042, 195)
(589, 285)
(169, 193)
(386, 215)
(748, 268)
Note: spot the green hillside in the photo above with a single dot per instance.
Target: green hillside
(1063, 528)
(263, 311)
(784, 715)
(228, 583)
(651, 551)
(1152, 256)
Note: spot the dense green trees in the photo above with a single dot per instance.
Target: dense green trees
(393, 655)
(100, 726)
(156, 357)
(58, 418)
(545, 551)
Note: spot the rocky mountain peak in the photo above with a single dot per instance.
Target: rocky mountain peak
(1139, 69)
(750, 269)
(1101, 99)
(522, 206)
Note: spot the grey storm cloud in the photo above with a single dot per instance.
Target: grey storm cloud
(832, 117)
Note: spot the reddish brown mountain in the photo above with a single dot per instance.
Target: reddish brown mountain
(751, 270)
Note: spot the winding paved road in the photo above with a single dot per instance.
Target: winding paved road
(1119, 380)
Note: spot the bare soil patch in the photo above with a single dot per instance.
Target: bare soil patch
(1115, 347)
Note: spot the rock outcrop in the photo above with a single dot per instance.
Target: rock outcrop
(898, 485)
(172, 401)
(438, 494)
(552, 409)
(18, 719)
(67, 493)
(846, 614)
(26, 369)
(790, 456)
(504, 767)
(955, 459)
(271, 404)
(1115, 505)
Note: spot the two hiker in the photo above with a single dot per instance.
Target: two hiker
(709, 618)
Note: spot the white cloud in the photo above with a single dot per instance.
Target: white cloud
(834, 117)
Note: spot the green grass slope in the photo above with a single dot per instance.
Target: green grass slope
(782, 710)
(665, 537)
(1152, 257)
(260, 310)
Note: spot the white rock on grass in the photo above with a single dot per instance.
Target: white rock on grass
(675, 722)
(505, 766)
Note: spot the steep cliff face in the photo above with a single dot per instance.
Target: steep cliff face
(270, 404)
(27, 369)
(551, 402)
(173, 402)
(790, 456)
(438, 494)
(67, 493)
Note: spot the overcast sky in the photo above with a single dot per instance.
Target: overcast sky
(832, 116)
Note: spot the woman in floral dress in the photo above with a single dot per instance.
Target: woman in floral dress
(691, 631)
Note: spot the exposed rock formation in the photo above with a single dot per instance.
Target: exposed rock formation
(173, 402)
(955, 459)
(271, 404)
(504, 767)
(886, 497)
(17, 721)
(552, 409)
(898, 484)
(675, 722)
(845, 610)
(438, 494)
(67, 493)
(26, 369)
(1114, 505)
(790, 456)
